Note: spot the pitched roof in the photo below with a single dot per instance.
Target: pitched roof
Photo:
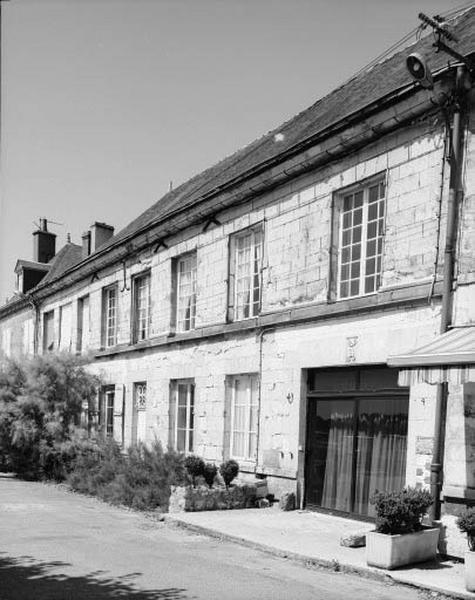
(363, 89)
(69, 256)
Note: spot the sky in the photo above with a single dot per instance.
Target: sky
(105, 102)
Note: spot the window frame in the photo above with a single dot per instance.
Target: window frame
(234, 308)
(106, 410)
(180, 324)
(69, 334)
(48, 316)
(81, 343)
(106, 337)
(136, 320)
(251, 403)
(338, 230)
(190, 415)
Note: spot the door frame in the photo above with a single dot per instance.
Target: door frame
(355, 395)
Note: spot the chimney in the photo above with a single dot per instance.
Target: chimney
(86, 244)
(44, 243)
(100, 234)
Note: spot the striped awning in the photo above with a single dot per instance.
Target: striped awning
(450, 358)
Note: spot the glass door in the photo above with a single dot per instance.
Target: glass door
(354, 447)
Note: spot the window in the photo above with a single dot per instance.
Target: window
(65, 327)
(141, 308)
(361, 232)
(7, 341)
(48, 331)
(109, 316)
(186, 292)
(182, 415)
(245, 274)
(139, 413)
(106, 410)
(83, 324)
(244, 416)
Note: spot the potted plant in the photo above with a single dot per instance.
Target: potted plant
(466, 524)
(400, 538)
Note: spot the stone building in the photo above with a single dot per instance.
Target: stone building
(251, 312)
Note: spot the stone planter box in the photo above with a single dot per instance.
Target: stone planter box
(392, 551)
(193, 499)
(470, 570)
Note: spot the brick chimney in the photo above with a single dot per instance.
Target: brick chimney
(86, 244)
(100, 234)
(44, 243)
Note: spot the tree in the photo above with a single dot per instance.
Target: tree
(41, 401)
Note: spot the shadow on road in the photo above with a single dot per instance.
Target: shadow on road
(24, 578)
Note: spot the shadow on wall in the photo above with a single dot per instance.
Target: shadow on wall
(24, 578)
(469, 414)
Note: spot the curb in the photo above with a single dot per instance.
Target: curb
(312, 562)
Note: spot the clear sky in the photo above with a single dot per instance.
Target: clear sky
(104, 102)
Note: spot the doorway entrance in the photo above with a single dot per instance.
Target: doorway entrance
(356, 438)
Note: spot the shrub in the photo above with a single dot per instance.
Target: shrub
(466, 524)
(400, 512)
(40, 404)
(209, 473)
(140, 479)
(229, 471)
(195, 466)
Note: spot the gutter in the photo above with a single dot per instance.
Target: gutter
(454, 199)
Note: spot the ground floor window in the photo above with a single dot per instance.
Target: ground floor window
(182, 415)
(244, 415)
(106, 410)
(356, 444)
(139, 413)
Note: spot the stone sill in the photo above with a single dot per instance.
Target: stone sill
(385, 299)
(460, 492)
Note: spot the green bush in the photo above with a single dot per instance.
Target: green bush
(140, 479)
(195, 466)
(400, 512)
(229, 471)
(41, 401)
(466, 524)
(209, 473)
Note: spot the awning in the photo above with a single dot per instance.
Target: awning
(449, 358)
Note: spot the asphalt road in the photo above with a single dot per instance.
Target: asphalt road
(56, 545)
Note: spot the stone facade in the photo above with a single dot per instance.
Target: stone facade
(302, 324)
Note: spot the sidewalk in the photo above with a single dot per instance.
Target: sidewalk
(314, 538)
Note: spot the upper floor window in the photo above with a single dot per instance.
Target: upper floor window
(360, 239)
(186, 292)
(141, 307)
(65, 327)
(48, 331)
(109, 316)
(83, 324)
(245, 266)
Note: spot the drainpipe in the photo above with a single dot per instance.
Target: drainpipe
(455, 193)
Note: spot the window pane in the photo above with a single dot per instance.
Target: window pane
(358, 199)
(356, 252)
(180, 440)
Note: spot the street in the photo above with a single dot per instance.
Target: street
(56, 545)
